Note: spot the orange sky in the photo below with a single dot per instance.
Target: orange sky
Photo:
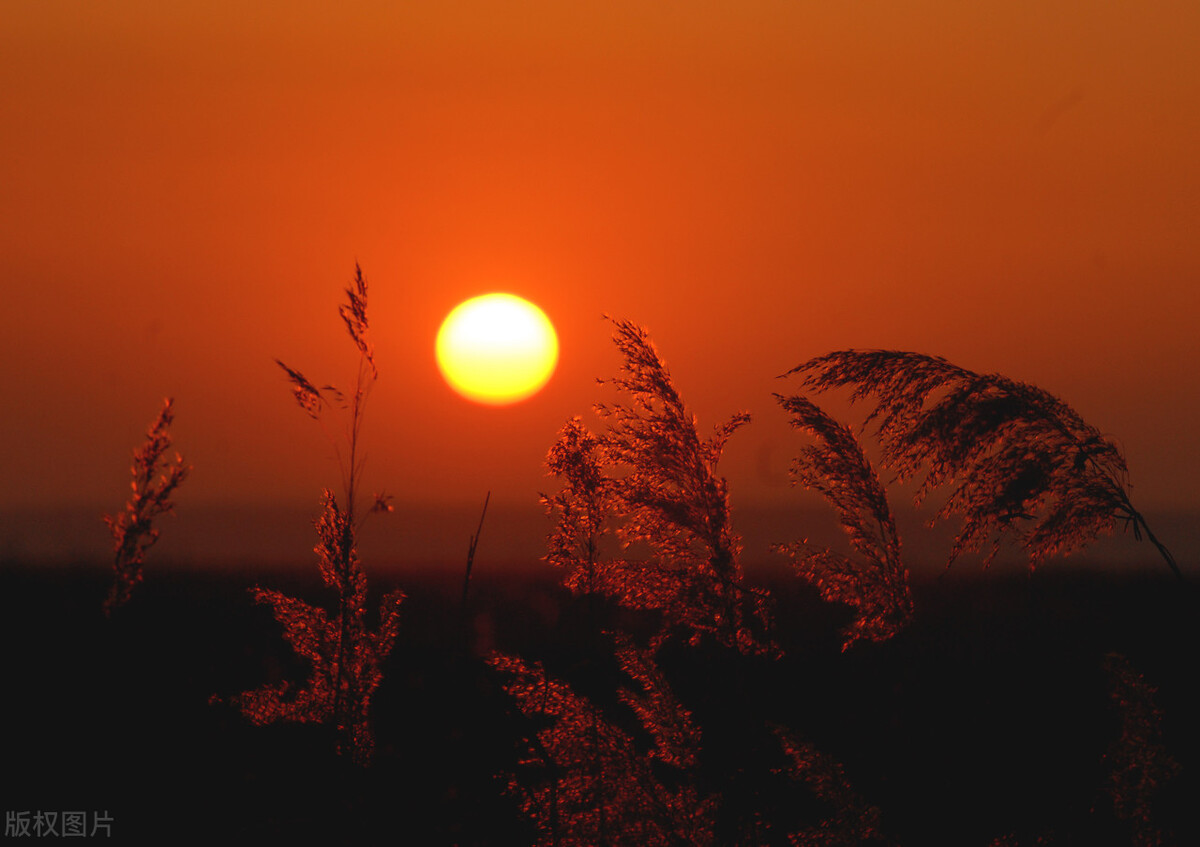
(185, 188)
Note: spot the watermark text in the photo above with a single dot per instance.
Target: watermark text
(57, 824)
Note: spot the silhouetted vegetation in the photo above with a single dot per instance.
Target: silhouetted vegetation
(1012, 451)
(346, 656)
(1139, 762)
(836, 466)
(1018, 460)
(851, 821)
(585, 781)
(155, 479)
(652, 480)
(668, 699)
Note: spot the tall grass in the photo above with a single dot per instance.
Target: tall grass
(346, 655)
(1017, 460)
(642, 516)
(1139, 763)
(155, 479)
(875, 584)
(651, 479)
(850, 820)
(587, 781)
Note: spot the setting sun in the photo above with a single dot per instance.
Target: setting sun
(497, 349)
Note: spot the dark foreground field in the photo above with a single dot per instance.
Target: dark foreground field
(989, 717)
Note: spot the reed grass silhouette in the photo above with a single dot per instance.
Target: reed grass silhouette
(632, 768)
(850, 820)
(346, 656)
(876, 586)
(649, 480)
(652, 478)
(155, 479)
(586, 781)
(471, 545)
(580, 511)
(1018, 461)
(1139, 764)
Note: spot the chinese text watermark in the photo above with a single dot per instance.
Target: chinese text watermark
(57, 824)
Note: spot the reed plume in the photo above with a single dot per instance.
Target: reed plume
(315, 401)
(676, 736)
(155, 479)
(850, 821)
(586, 782)
(346, 655)
(580, 510)
(656, 477)
(1017, 460)
(877, 586)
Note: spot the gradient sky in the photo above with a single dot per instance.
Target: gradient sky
(185, 188)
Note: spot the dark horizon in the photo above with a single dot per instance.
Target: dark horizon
(281, 537)
(989, 717)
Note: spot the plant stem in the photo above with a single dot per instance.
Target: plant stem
(345, 601)
(471, 551)
(1166, 554)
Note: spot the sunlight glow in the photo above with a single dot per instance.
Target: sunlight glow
(497, 349)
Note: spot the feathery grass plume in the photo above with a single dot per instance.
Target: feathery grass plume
(354, 313)
(346, 656)
(154, 481)
(852, 821)
(676, 736)
(307, 395)
(1014, 455)
(595, 786)
(581, 507)
(663, 488)
(314, 401)
(1139, 761)
(836, 466)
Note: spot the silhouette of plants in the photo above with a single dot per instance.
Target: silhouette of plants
(1139, 763)
(155, 479)
(1017, 460)
(642, 517)
(850, 820)
(652, 476)
(586, 782)
(580, 511)
(877, 586)
(346, 656)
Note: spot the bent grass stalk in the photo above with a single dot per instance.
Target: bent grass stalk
(474, 542)
(877, 585)
(1017, 460)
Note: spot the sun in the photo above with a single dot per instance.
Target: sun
(497, 349)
